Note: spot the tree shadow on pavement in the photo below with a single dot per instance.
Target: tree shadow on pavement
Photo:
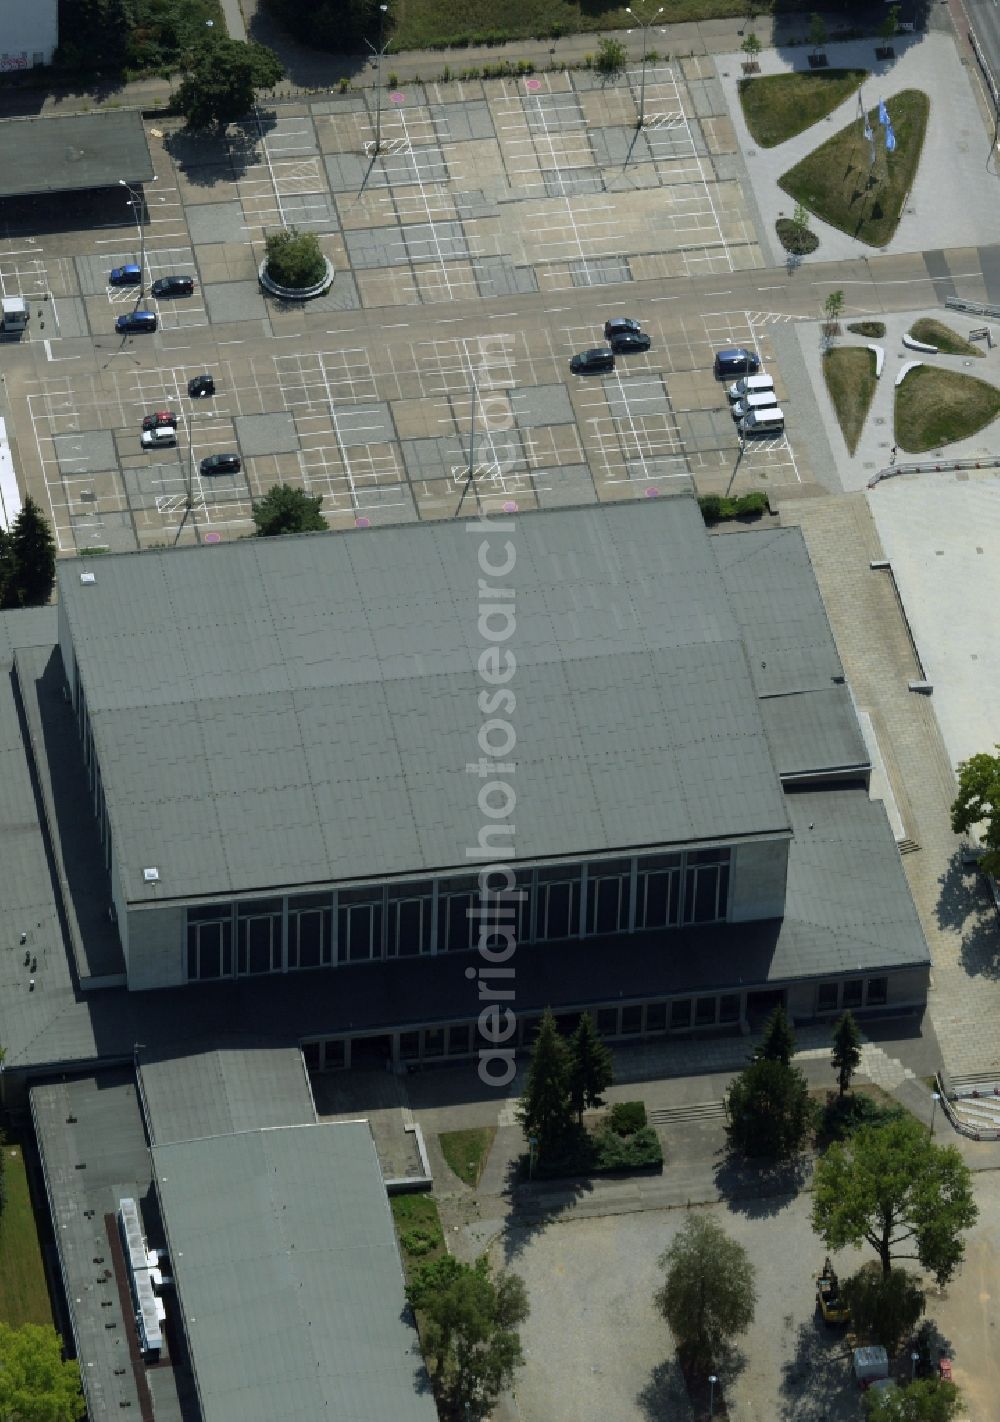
(817, 1382)
(209, 158)
(964, 907)
(665, 1394)
(532, 1207)
(759, 1188)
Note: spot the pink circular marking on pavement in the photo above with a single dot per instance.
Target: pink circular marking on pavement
(652, 492)
(213, 537)
(397, 97)
(532, 84)
(510, 506)
(362, 523)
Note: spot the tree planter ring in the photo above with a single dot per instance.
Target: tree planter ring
(296, 293)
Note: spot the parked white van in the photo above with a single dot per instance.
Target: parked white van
(763, 422)
(760, 400)
(750, 385)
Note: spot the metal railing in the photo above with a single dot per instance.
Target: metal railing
(939, 466)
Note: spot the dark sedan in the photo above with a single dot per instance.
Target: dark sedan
(200, 385)
(628, 342)
(220, 464)
(130, 275)
(620, 326)
(599, 358)
(173, 286)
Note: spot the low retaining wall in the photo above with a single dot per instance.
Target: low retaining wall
(296, 293)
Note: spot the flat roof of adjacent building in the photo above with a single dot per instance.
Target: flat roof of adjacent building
(941, 533)
(237, 1087)
(282, 1247)
(300, 711)
(49, 154)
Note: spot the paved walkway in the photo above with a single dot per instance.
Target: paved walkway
(953, 200)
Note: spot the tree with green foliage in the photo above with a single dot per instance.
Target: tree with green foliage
(751, 47)
(545, 1111)
(769, 1112)
(295, 258)
(338, 25)
(885, 1308)
(287, 510)
(469, 1319)
(591, 1067)
(817, 34)
(27, 559)
(709, 1293)
(36, 1384)
(221, 79)
(778, 1041)
(833, 309)
(846, 1049)
(611, 58)
(977, 805)
(925, 1400)
(891, 1186)
(889, 27)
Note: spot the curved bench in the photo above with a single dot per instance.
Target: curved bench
(914, 345)
(879, 360)
(905, 369)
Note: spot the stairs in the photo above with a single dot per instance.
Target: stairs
(907, 846)
(976, 1101)
(702, 1111)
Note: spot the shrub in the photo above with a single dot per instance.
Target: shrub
(612, 57)
(843, 1115)
(392, 80)
(639, 1151)
(419, 1240)
(717, 507)
(874, 330)
(627, 1117)
(294, 258)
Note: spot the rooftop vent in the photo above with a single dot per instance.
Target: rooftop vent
(88, 578)
(151, 876)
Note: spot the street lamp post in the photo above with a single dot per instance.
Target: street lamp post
(378, 53)
(644, 26)
(935, 1098)
(711, 1394)
(914, 1360)
(137, 203)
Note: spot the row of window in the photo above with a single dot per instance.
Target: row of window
(362, 925)
(430, 1044)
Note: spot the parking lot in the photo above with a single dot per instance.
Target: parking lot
(509, 201)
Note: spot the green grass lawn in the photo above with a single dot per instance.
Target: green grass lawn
(936, 407)
(778, 106)
(936, 333)
(423, 24)
(24, 1294)
(850, 380)
(833, 180)
(418, 1227)
(466, 1151)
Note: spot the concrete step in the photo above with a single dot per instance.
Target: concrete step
(981, 1081)
(907, 846)
(700, 1111)
(977, 1111)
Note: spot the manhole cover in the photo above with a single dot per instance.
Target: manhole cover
(880, 419)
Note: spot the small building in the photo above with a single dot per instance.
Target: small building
(29, 34)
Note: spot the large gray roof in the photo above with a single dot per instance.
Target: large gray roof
(54, 154)
(283, 1250)
(794, 663)
(238, 1087)
(302, 710)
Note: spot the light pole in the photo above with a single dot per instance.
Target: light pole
(644, 26)
(935, 1098)
(712, 1380)
(378, 53)
(914, 1360)
(137, 204)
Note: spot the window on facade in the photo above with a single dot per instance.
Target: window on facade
(557, 902)
(827, 995)
(607, 1021)
(729, 1007)
(878, 991)
(310, 931)
(457, 898)
(706, 885)
(704, 1011)
(608, 884)
(852, 993)
(433, 1041)
(334, 1054)
(359, 924)
(410, 911)
(209, 942)
(311, 1054)
(459, 1041)
(631, 1020)
(656, 1017)
(409, 1046)
(258, 937)
(658, 891)
(680, 1013)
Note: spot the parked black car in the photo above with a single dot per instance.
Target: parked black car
(220, 464)
(599, 358)
(628, 342)
(200, 385)
(621, 325)
(173, 286)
